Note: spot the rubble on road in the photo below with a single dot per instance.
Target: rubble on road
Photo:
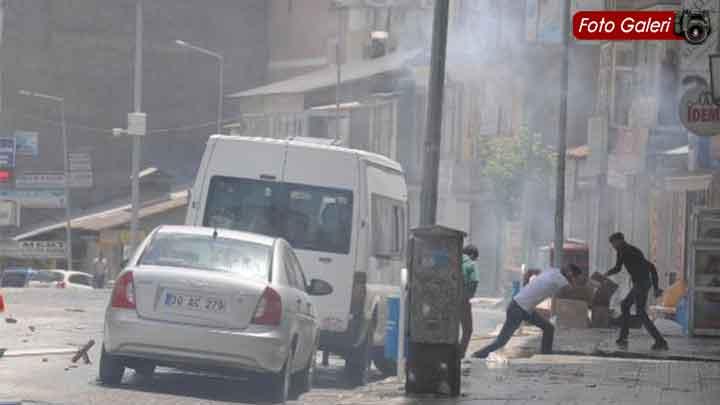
(83, 352)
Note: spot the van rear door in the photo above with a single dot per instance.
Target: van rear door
(323, 206)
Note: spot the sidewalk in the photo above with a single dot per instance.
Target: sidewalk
(601, 342)
(588, 370)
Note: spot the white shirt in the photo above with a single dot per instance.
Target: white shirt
(540, 288)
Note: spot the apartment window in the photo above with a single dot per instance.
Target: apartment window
(382, 129)
(388, 226)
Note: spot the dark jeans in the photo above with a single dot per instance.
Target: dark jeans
(638, 296)
(515, 317)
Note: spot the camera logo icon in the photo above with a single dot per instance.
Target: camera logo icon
(693, 25)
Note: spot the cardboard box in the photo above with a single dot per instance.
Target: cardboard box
(600, 317)
(572, 314)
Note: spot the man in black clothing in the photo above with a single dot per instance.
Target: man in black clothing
(643, 274)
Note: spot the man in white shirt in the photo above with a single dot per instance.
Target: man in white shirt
(522, 308)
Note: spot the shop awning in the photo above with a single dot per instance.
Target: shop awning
(327, 77)
(114, 217)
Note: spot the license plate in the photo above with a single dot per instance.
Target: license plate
(193, 302)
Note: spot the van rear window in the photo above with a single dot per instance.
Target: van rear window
(308, 217)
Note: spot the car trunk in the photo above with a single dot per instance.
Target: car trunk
(196, 297)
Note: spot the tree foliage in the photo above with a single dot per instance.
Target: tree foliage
(510, 161)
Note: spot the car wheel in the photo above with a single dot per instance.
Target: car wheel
(111, 368)
(357, 363)
(302, 382)
(387, 367)
(280, 383)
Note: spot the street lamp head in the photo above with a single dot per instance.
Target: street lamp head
(25, 93)
(180, 42)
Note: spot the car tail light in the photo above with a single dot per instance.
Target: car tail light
(124, 292)
(269, 308)
(61, 284)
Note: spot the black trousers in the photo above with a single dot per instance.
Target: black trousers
(638, 296)
(515, 317)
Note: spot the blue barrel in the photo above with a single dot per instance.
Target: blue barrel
(682, 316)
(392, 329)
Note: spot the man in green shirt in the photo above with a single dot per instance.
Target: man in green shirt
(470, 283)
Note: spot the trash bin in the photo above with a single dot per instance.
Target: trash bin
(392, 329)
(435, 296)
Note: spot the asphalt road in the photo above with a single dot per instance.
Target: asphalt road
(48, 320)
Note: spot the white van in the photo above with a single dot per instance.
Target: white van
(342, 210)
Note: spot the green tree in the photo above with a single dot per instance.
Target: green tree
(508, 161)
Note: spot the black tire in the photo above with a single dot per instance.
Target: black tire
(281, 382)
(302, 381)
(145, 370)
(357, 363)
(386, 366)
(111, 368)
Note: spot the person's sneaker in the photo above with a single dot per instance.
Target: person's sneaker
(622, 343)
(660, 346)
(480, 355)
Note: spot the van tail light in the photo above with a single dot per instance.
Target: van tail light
(269, 308)
(124, 292)
(359, 292)
(61, 284)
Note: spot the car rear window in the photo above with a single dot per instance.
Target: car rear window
(79, 279)
(203, 252)
(47, 276)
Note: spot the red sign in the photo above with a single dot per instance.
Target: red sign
(5, 176)
(625, 25)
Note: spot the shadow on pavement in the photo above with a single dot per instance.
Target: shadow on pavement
(199, 386)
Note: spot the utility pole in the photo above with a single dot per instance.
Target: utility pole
(559, 242)
(433, 128)
(338, 66)
(136, 145)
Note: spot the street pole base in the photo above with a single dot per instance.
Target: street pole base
(433, 369)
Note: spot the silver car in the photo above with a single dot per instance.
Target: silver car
(213, 299)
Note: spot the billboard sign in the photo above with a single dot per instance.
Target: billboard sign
(9, 213)
(698, 113)
(7, 153)
(41, 249)
(26, 143)
(35, 198)
(79, 162)
(50, 180)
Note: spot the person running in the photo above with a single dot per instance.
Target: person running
(522, 308)
(643, 275)
(470, 283)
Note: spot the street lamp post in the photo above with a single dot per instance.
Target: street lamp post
(221, 63)
(66, 183)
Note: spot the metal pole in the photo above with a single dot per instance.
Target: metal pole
(136, 146)
(339, 74)
(221, 61)
(433, 135)
(68, 223)
(562, 143)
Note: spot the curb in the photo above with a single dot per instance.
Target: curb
(39, 352)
